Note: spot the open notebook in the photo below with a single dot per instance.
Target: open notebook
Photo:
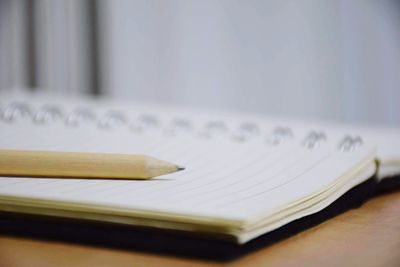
(245, 175)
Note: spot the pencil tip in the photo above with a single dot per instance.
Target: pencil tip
(180, 168)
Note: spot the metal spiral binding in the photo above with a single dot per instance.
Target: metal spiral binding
(279, 135)
(48, 114)
(149, 120)
(314, 139)
(112, 119)
(15, 111)
(350, 143)
(80, 116)
(213, 128)
(246, 131)
(216, 126)
(144, 121)
(182, 123)
(179, 125)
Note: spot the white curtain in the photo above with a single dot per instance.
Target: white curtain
(45, 44)
(310, 58)
(13, 38)
(325, 59)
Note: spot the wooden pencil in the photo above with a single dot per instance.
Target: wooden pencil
(82, 165)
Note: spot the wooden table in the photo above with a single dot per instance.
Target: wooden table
(368, 236)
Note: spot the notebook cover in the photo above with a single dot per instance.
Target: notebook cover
(178, 243)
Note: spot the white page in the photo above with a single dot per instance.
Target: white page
(225, 179)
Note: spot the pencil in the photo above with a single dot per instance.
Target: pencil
(82, 165)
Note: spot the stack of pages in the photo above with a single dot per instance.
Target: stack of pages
(245, 176)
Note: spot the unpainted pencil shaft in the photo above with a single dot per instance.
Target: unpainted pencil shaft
(81, 165)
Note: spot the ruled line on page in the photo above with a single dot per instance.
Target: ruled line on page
(191, 175)
(264, 178)
(229, 179)
(243, 181)
(131, 190)
(263, 193)
(215, 176)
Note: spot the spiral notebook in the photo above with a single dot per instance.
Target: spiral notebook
(245, 176)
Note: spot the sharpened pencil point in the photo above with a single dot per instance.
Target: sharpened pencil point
(180, 168)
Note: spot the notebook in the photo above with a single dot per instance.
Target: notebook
(246, 175)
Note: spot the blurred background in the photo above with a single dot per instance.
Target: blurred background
(306, 58)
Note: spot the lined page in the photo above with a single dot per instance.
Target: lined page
(230, 175)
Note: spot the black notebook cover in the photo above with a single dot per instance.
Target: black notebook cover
(177, 243)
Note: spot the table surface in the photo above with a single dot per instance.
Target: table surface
(367, 236)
